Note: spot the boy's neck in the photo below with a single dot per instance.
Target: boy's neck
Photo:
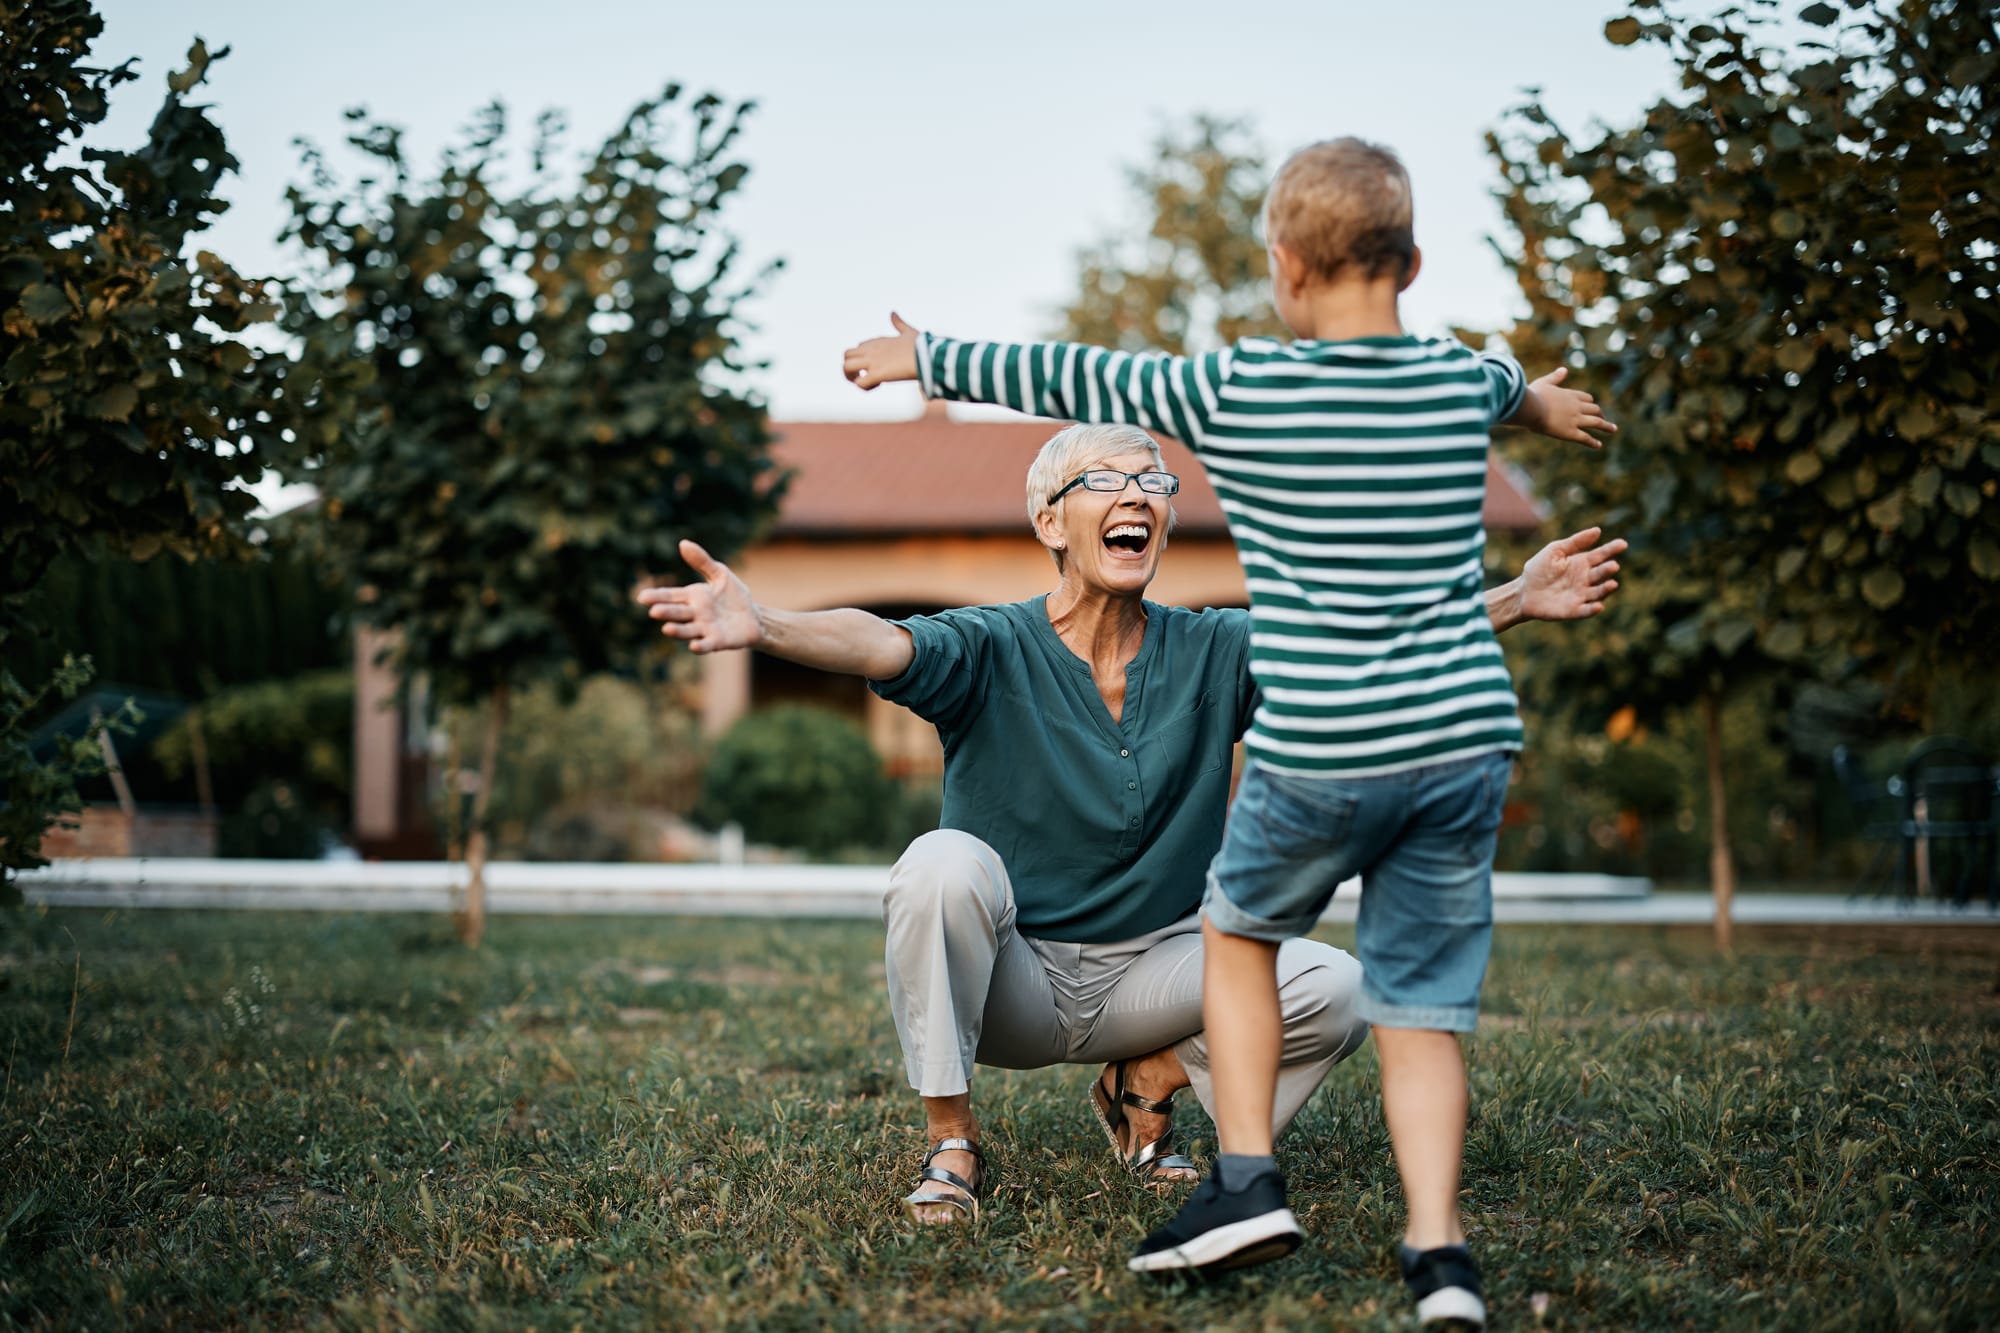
(1359, 308)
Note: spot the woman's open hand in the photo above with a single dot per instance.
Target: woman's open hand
(1569, 579)
(712, 616)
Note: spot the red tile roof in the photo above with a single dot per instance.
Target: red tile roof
(935, 474)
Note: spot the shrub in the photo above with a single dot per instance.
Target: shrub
(573, 769)
(298, 731)
(802, 777)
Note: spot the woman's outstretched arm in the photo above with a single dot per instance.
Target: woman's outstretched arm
(718, 614)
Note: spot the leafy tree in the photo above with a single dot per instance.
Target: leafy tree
(1787, 274)
(552, 397)
(1198, 278)
(130, 409)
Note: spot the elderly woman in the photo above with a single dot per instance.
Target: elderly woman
(1088, 733)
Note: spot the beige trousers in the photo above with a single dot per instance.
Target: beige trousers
(966, 987)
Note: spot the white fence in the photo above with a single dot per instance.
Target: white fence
(586, 889)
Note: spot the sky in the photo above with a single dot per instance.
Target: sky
(944, 160)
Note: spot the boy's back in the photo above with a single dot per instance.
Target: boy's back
(1353, 474)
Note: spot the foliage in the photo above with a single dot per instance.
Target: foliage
(131, 410)
(131, 407)
(298, 731)
(547, 381)
(188, 629)
(617, 745)
(275, 822)
(1199, 278)
(1631, 806)
(41, 789)
(1785, 277)
(798, 776)
(293, 1119)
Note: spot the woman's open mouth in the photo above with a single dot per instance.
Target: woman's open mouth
(1129, 539)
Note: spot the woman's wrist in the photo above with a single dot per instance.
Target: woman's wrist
(1506, 605)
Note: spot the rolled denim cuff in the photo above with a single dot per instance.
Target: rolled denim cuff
(1230, 919)
(1378, 1012)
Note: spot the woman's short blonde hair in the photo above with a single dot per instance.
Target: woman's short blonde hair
(1078, 449)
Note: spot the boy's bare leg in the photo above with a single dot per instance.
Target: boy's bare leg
(949, 1118)
(1246, 1034)
(1424, 1099)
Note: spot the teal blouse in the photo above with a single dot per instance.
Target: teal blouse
(1106, 828)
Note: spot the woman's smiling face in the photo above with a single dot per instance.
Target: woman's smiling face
(1111, 540)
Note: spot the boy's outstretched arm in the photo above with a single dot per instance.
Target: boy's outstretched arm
(1067, 381)
(1561, 414)
(883, 360)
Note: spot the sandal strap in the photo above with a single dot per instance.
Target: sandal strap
(1147, 1157)
(1173, 1161)
(938, 1173)
(959, 1202)
(1121, 1097)
(1133, 1099)
(955, 1145)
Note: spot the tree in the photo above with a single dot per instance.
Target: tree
(552, 398)
(131, 411)
(1787, 274)
(1199, 278)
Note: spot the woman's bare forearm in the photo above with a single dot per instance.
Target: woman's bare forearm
(1503, 605)
(850, 641)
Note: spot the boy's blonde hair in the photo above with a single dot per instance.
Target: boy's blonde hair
(1343, 206)
(1077, 449)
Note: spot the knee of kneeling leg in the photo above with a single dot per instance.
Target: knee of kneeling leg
(1326, 1006)
(942, 864)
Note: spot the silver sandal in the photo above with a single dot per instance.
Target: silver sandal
(967, 1202)
(1148, 1159)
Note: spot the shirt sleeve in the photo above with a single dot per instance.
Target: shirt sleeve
(945, 683)
(1174, 395)
(1506, 383)
(1248, 697)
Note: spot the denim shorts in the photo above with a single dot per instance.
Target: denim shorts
(1422, 842)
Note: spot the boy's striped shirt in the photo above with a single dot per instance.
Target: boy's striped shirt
(1352, 474)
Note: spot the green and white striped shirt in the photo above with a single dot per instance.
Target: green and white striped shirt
(1352, 474)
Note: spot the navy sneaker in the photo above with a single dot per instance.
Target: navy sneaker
(1445, 1282)
(1217, 1229)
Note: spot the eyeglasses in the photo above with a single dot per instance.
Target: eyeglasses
(1105, 479)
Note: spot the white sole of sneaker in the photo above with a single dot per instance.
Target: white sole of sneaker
(1254, 1240)
(1448, 1304)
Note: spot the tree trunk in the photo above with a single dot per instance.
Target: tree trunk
(1721, 865)
(454, 797)
(472, 921)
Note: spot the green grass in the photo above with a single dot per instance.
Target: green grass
(285, 1120)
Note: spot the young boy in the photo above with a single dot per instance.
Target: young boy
(1351, 464)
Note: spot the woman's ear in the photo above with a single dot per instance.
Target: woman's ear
(1048, 527)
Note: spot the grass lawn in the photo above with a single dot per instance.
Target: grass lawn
(271, 1119)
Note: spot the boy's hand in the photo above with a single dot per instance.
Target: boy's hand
(714, 615)
(1562, 414)
(1568, 580)
(880, 360)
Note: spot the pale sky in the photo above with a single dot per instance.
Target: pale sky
(944, 159)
